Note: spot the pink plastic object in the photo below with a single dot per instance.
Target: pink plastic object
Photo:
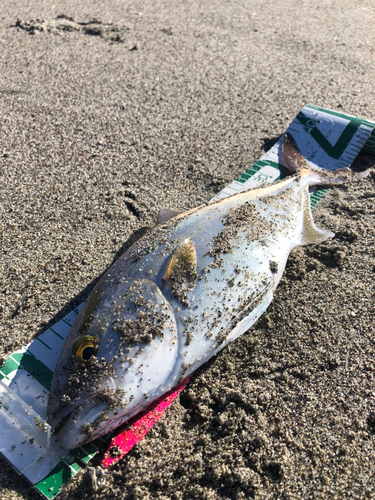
(139, 426)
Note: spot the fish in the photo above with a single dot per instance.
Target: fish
(197, 281)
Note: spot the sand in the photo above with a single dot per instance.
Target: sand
(112, 110)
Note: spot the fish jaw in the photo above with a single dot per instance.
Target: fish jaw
(75, 428)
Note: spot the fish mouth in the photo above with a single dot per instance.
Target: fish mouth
(87, 422)
(80, 425)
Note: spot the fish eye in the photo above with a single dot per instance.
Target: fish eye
(85, 347)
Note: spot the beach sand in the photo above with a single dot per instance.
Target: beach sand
(112, 110)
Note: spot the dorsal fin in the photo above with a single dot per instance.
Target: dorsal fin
(166, 214)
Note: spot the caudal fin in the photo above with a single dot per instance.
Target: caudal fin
(291, 155)
(294, 161)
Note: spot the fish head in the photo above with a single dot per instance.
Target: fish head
(116, 359)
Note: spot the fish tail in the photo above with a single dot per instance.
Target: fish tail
(312, 176)
(295, 162)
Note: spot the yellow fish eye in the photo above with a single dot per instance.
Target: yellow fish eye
(85, 347)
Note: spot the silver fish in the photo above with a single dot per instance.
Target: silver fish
(196, 282)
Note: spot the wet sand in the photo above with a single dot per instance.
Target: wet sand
(111, 111)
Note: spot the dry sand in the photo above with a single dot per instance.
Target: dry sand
(160, 104)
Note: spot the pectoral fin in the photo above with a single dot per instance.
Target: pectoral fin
(181, 272)
(183, 263)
